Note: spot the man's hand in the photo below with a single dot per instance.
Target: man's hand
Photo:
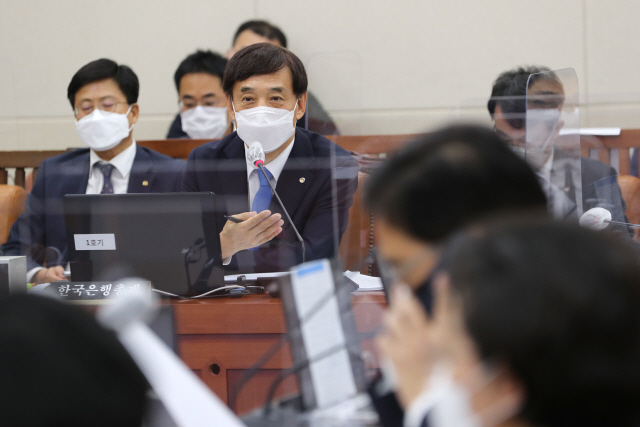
(407, 343)
(48, 275)
(254, 230)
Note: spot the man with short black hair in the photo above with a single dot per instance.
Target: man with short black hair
(266, 89)
(508, 109)
(258, 31)
(202, 103)
(103, 96)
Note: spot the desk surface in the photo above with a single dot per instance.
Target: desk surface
(219, 338)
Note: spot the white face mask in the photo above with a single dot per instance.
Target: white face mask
(541, 125)
(271, 127)
(102, 131)
(205, 122)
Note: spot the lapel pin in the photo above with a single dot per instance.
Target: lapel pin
(302, 180)
(145, 183)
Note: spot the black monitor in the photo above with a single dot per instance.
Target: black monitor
(170, 239)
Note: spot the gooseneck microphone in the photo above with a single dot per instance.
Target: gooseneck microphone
(255, 154)
(599, 219)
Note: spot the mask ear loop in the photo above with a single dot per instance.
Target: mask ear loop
(126, 114)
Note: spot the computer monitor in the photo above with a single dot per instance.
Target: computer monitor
(169, 239)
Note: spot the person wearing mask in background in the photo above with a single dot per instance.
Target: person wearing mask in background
(531, 99)
(535, 323)
(252, 32)
(266, 89)
(203, 105)
(103, 96)
(427, 191)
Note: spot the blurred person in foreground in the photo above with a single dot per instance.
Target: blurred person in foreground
(59, 367)
(201, 100)
(535, 323)
(429, 190)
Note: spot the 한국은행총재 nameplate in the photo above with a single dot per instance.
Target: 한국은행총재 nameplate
(95, 242)
(91, 291)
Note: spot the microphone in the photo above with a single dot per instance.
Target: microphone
(255, 154)
(599, 219)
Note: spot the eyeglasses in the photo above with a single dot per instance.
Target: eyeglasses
(108, 105)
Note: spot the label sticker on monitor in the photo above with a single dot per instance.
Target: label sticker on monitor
(95, 242)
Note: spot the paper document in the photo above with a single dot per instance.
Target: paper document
(233, 278)
(365, 283)
(591, 131)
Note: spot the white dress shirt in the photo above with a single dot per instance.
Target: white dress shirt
(122, 163)
(275, 166)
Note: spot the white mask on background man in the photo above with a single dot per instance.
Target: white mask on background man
(102, 130)
(271, 127)
(205, 122)
(540, 129)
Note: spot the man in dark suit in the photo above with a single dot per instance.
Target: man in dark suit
(509, 110)
(266, 87)
(104, 98)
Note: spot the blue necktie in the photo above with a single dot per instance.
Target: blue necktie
(262, 200)
(106, 169)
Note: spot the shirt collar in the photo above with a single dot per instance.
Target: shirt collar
(123, 162)
(276, 165)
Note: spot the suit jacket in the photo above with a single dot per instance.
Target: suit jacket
(305, 187)
(42, 223)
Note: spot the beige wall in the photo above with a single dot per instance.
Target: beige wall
(385, 66)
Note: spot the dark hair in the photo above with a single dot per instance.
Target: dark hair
(201, 62)
(510, 90)
(260, 59)
(560, 306)
(450, 178)
(102, 69)
(58, 355)
(264, 29)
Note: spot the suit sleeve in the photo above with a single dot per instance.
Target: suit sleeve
(27, 235)
(189, 181)
(318, 230)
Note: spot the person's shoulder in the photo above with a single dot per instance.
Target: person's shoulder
(66, 158)
(596, 167)
(214, 149)
(323, 146)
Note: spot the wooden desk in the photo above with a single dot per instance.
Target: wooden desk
(219, 338)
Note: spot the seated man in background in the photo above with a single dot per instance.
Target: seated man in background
(536, 323)
(252, 32)
(103, 96)
(509, 110)
(427, 191)
(202, 103)
(266, 88)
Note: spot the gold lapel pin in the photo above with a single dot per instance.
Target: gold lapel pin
(302, 180)
(145, 183)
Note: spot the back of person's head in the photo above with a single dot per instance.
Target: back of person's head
(450, 178)
(201, 62)
(102, 69)
(559, 305)
(510, 89)
(264, 29)
(261, 59)
(59, 367)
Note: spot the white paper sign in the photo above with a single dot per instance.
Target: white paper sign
(95, 242)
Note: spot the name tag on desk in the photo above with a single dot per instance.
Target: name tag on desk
(95, 242)
(92, 291)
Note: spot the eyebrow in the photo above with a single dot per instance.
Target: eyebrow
(244, 89)
(277, 89)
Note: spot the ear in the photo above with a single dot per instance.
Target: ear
(134, 114)
(302, 107)
(229, 53)
(232, 114)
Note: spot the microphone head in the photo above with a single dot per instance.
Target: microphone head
(255, 153)
(595, 218)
